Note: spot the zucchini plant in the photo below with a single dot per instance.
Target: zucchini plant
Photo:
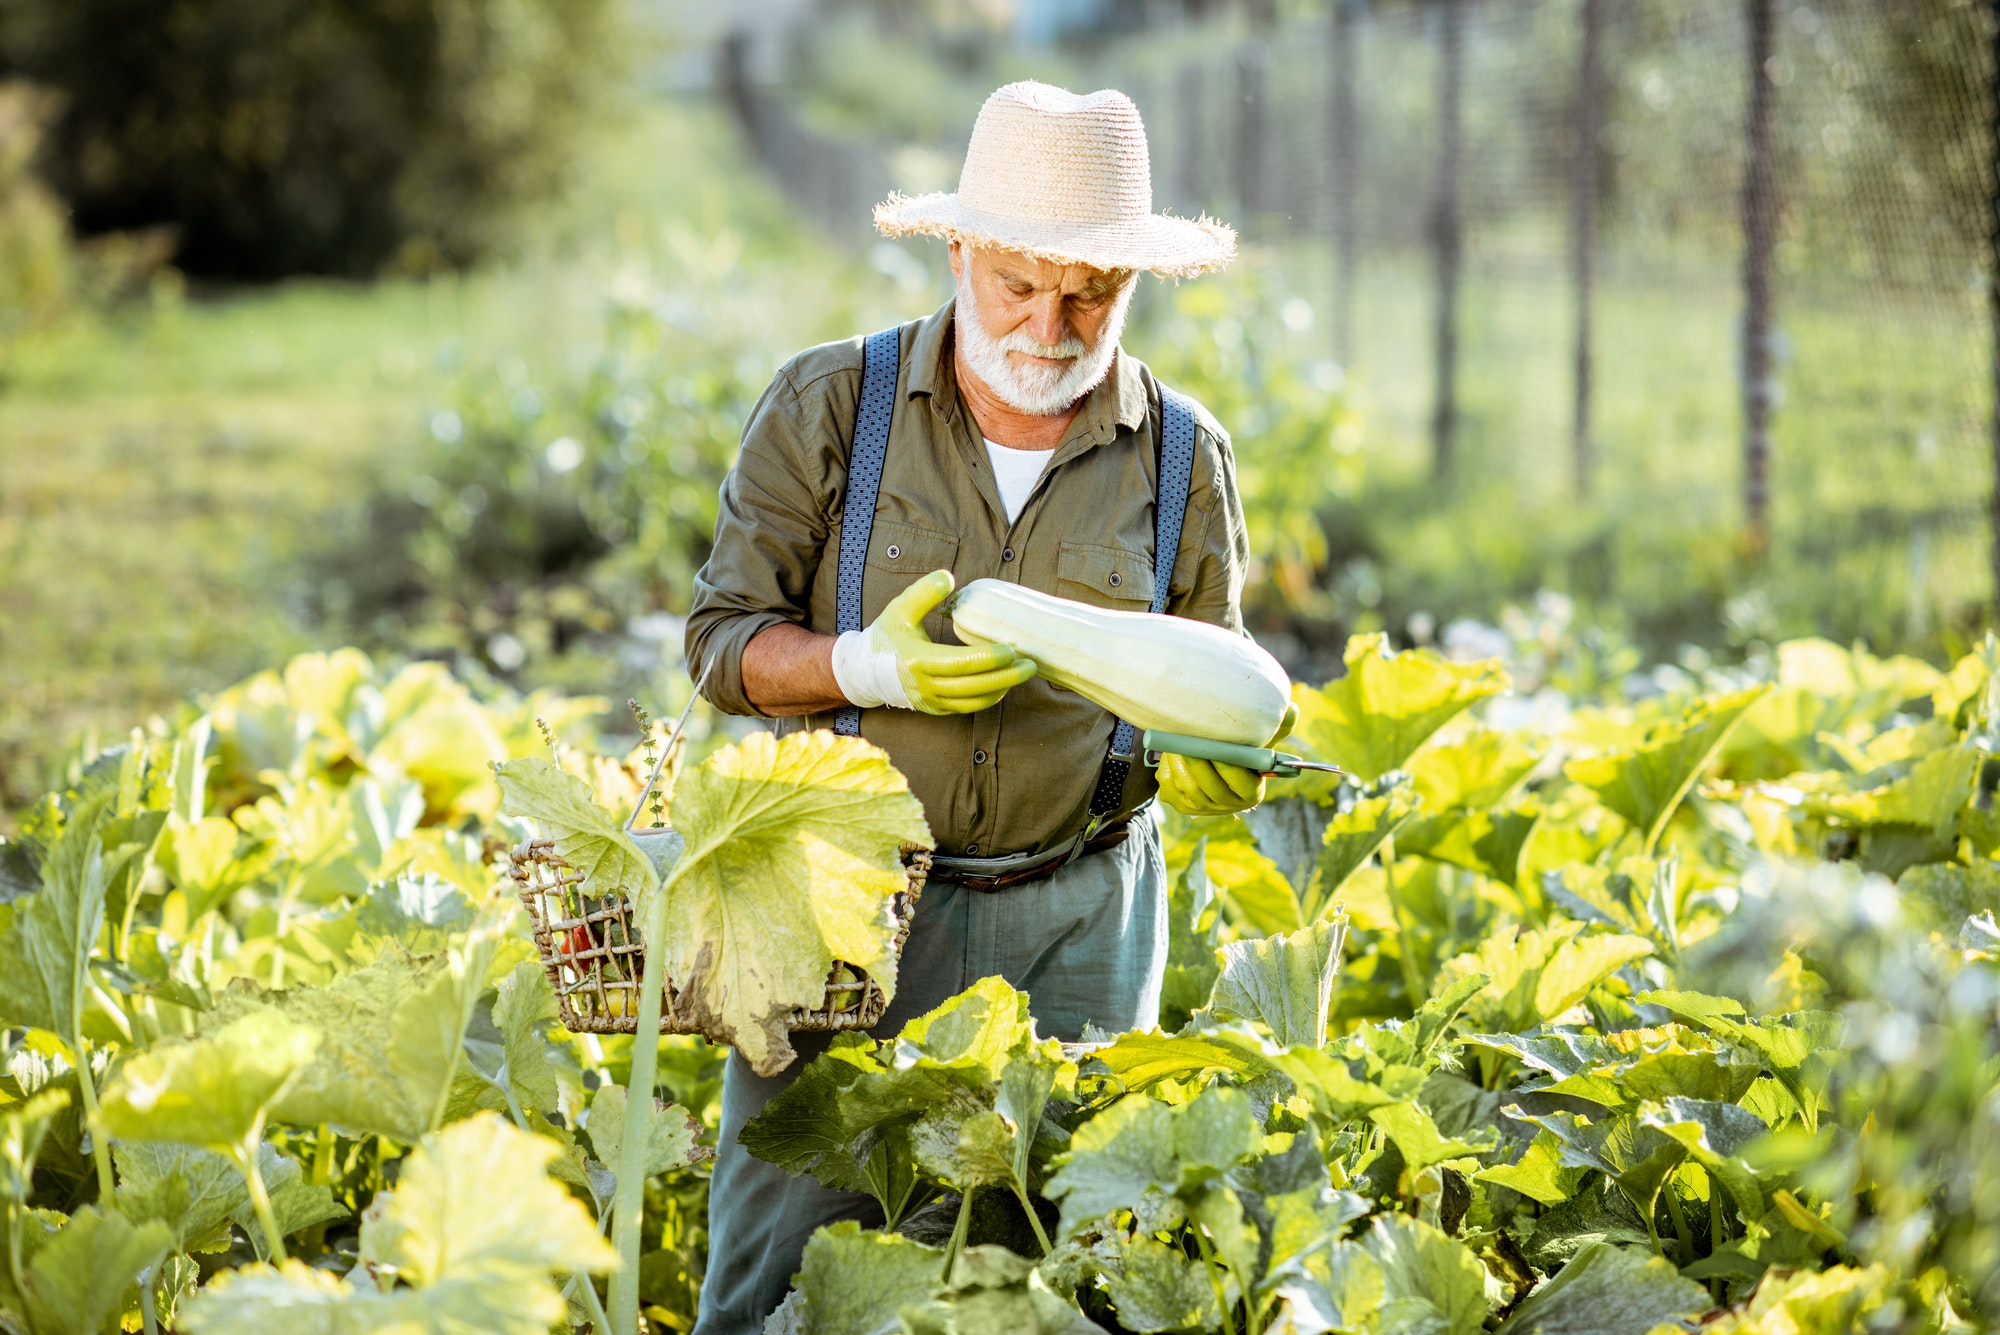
(1506, 1031)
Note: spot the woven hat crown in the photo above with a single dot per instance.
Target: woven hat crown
(1065, 178)
(1043, 152)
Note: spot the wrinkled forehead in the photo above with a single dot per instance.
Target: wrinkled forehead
(1042, 275)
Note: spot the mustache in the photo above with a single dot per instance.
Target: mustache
(1021, 341)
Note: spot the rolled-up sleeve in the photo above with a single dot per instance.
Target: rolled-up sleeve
(771, 529)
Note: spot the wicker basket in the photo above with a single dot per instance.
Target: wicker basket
(595, 958)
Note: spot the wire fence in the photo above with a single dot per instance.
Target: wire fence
(1720, 265)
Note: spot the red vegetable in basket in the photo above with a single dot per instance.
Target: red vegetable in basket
(579, 942)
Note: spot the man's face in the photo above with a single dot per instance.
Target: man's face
(1040, 335)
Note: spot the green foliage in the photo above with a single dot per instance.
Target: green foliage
(1648, 1065)
(1604, 1289)
(316, 828)
(587, 836)
(80, 1278)
(385, 134)
(1646, 783)
(213, 1091)
(1373, 719)
(802, 837)
(470, 1235)
(1663, 1066)
(853, 1280)
(1283, 982)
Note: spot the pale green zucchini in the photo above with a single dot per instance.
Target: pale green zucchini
(1162, 672)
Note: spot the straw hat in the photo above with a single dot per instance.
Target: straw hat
(1063, 178)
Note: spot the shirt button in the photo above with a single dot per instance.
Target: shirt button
(972, 850)
(979, 757)
(1006, 553)
(1116, 578)
(895, 551)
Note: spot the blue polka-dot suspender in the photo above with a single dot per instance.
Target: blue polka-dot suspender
(880, 357)
(1176, 476)
(880, 360)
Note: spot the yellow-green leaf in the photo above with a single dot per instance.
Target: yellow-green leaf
(473, 1231)
(793, 856)
(1373, 719)
(1284, 983)
(587, 836)
(1645, 784)
(211, 1091)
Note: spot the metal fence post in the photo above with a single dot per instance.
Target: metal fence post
(1447, 228)
(1345, 106)
(1759, 235)
(1583, 224)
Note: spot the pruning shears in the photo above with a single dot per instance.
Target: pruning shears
(1262, 759)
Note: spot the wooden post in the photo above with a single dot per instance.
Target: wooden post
(1583, 226)
(1993, 287)
(1447, 232)
(1760, 216)
(1250, 134)
(1344, 103)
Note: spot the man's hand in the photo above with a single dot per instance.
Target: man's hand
(1209, 788)
(930, 677)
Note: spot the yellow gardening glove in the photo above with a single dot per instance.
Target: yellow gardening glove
(1210, 788)
(942, 678)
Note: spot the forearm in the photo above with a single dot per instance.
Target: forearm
(788, 670)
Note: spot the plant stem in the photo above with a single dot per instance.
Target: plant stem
(599, 1323)
(958, 1232)
(1714, 1233)
(260, 1199)
(1680, 1226)
(1215, 1281)
(100, 1147)
(323, 1145)
(1034, 1220)
(278, 936)
(1715, 1221)
(146, 1315)
(629, 1200)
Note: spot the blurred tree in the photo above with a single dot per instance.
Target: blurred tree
(36, 264)
(310, 136)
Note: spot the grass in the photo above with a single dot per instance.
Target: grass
(1880, 463)
(169, 470)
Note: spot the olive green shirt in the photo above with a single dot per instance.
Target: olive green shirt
(1017, 777)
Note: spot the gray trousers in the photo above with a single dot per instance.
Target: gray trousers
(1088, 945)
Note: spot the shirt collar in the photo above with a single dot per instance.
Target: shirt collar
(1120, 400)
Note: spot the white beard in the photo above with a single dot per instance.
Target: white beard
(1039, 391)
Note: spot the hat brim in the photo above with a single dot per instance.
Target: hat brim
(1175, 247)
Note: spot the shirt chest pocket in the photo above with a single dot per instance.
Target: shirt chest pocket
(1105, 576)
(898, 555)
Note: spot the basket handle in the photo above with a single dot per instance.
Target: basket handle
(673, 739)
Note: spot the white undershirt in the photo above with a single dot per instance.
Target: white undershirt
(1016, 471)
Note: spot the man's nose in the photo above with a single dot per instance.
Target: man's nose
(1045, 320)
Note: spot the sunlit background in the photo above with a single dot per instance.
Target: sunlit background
(1622, 336)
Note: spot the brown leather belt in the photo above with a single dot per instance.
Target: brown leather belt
(1110, 836)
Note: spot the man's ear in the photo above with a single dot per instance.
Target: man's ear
(957, 263)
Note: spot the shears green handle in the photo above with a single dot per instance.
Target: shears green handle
(1262, 759)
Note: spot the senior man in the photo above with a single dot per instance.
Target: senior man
(1005, 436)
